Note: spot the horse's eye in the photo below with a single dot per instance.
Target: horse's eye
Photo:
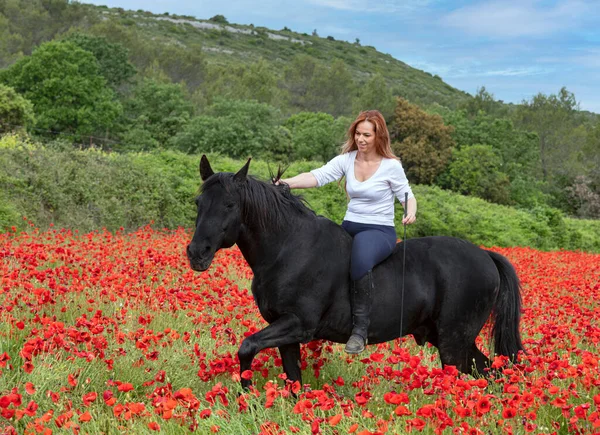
(230, 205)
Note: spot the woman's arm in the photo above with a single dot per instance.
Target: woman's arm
(411, 211)
(300, 181)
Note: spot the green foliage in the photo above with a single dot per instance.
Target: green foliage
(236, 128)
(66, 88)
(483, 101)
(421, 140)
(297, 76)
(315, 136)
(255, 81)
(475, 170)
(183, 64)
(25, 24)
(517, 150)
(156, 112)
(445, 213)
(112, 57)
(88, 189)
(331, 90)
(312, 86)
(583, 234)
(219, 19)
(553, 118)
(375, 94)
(16, 112)
(9, 216)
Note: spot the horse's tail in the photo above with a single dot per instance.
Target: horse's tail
(507, 309)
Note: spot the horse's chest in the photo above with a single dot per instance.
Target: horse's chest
(268, 301)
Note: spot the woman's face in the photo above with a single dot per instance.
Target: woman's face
(364, 136)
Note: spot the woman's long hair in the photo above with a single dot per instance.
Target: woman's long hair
(382, 136)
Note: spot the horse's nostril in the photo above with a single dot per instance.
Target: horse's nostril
(206, 249)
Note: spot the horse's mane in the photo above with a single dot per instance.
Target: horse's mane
(263, 204)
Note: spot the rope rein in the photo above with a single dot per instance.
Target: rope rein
(403, 268)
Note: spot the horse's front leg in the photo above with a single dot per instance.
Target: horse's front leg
(290, 358)
(285, 331)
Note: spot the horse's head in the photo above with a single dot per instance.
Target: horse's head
(219, 216)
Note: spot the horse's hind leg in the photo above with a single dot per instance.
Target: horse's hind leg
(479, 362)
(465, 356)
(290, 357)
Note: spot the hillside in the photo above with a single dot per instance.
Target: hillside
(176, 82)
(229, 44)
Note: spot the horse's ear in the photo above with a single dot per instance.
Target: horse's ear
(241, 175)
(205, 169)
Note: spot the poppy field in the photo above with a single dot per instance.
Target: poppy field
(114, 333)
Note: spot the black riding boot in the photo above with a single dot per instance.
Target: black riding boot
(361, 307)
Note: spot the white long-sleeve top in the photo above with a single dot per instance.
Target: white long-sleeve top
(372, 200)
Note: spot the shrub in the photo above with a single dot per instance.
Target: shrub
(89, 189)
(16, 113)
(475, 170)
(237, 128)
(315, 136)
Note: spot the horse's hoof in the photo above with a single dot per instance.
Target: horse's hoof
(355, 344)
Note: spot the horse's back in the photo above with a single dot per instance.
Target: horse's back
(444, 279)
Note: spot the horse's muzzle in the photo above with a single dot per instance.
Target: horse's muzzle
(201, 262)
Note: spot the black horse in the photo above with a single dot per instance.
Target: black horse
(301, 278)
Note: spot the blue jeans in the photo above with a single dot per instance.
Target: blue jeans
(371, 244)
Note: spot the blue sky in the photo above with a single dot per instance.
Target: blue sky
(515, 48)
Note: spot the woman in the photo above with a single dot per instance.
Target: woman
(374, 176)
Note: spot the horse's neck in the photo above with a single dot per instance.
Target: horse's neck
(261, 247)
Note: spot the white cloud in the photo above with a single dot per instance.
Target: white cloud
(515, 18)
(386, 6)
(590, 58)
(336, 30)
(511, 72)
(475, 69)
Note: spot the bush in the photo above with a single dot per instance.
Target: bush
(16, 113)
(66, 88)
(237, 128)
(89, 189)
(9, 216)
(155, 113)
(475, 170)
(315, 136)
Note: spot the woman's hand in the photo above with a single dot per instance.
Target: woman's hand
(410, 218)
(411, 211)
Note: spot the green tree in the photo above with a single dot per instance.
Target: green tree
(66, 87)
(297, 77)
(32, 22)
(475, 170)
(315, 136)
(16, 112)
(259, 82)
(422, 141)
(219, 19)
(185, 64)
(331, 90)
(255, 81)
(237, 128)
(7, 54)
(156, 112)
(483, 101)
(112, 57)
(553, 118)
(375, 94)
